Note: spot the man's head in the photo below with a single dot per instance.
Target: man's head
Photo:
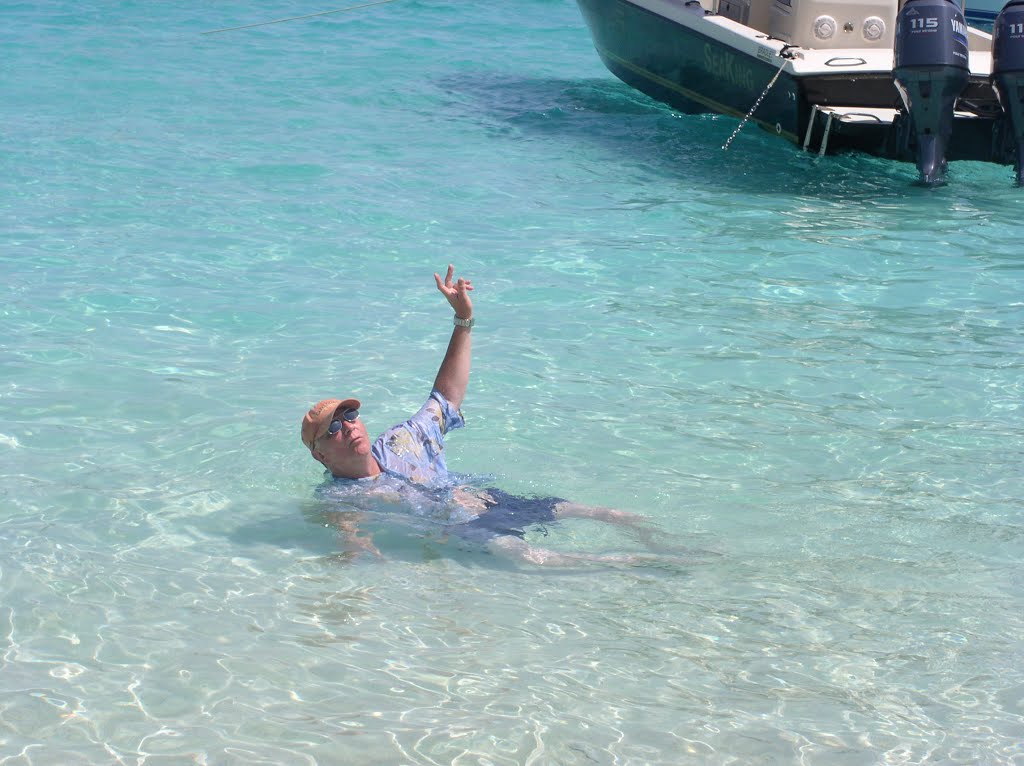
(335, 436)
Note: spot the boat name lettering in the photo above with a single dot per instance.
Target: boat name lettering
(726, 67)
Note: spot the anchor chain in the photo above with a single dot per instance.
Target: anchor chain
(785, 55)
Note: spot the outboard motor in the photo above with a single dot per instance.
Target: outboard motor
(1008, 72)
(932, 69)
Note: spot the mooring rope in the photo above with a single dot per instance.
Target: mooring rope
(296, 18)
(760, 98)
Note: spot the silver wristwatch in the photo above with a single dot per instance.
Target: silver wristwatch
(467, 323)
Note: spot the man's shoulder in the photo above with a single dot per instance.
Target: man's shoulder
(436, 414)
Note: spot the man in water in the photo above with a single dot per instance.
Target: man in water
(413, 451)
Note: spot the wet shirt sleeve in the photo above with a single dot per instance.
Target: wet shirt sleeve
(415, 449)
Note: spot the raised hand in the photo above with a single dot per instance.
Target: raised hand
(457, 294)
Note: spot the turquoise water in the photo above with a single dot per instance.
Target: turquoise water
(806, 372)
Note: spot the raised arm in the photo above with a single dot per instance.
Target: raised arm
(453, 377)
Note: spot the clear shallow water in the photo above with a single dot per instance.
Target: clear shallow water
(807, 373)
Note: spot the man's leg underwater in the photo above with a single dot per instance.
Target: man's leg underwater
(569, 510)
(518, 549)
(639, 527)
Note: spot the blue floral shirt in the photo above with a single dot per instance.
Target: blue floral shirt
(414, 450)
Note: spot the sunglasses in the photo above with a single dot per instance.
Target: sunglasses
(351, 415)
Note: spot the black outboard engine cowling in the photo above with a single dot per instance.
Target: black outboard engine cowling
(1008, 72)
(931, 71)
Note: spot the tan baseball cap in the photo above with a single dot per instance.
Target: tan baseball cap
(318, 419)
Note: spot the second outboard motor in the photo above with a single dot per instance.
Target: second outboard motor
(931, 70)
(1008, 72)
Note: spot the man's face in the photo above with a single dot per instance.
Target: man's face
(340, 451)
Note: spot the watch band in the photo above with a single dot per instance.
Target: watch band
(467, 323)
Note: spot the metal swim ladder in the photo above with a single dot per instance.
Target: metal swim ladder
(842, 114)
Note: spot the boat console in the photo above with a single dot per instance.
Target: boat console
(755, 14)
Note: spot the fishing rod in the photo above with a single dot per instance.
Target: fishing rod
(296, 18)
